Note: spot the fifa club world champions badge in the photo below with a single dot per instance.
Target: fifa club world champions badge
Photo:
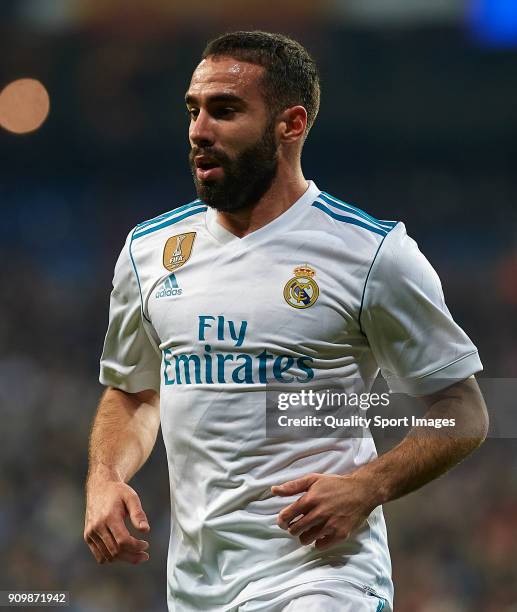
(177, 250)
(302, 291)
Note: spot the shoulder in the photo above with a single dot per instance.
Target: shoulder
(141, 243)
(351, 223)
(190, 213)
(400, 269)
(398, 254)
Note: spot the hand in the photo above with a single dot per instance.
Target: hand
(329, 510)
(107, 506)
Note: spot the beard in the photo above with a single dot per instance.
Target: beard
(245, 179)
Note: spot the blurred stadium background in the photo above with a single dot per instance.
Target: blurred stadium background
(418, 122)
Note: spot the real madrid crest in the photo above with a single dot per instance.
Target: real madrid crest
(302, 290)
(177, 250)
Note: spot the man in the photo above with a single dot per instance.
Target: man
(267, 280)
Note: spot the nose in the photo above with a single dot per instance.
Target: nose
(201, 131)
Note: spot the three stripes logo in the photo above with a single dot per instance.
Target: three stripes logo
(169, 288)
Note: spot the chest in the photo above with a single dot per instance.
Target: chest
(285, 295)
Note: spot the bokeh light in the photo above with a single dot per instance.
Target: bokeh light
(24, 106)
(494, 22)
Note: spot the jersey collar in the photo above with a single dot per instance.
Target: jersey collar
(280, 223)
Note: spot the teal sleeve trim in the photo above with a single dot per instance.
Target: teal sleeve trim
(347, 219)
(381, 605)
(366, 282)
(332, 201)
(172, 221)
(136, 274)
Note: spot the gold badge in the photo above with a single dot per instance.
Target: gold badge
(177, 250)
(302, 290)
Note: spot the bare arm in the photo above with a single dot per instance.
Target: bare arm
(426, 453)
(334, 505)
(123, 435)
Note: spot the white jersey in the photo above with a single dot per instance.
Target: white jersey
(209, 320)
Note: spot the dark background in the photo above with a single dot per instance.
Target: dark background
(418, 122)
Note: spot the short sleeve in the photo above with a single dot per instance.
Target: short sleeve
(418, 346)
(130, 358)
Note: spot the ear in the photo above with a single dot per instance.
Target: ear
(292, 124)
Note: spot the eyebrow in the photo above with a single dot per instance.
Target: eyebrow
(227, 97)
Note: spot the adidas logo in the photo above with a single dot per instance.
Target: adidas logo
(169, 288)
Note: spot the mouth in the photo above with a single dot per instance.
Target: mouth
(207, 168)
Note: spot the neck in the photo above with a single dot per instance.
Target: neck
(286, 189)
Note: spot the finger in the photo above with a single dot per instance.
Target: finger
(134, 558)
(313, 534)
(136, 512)
(325, 542)
(99, 542)
(97, 550)
(300, 506)
(294, 486)
(108, 540)
(126, 542)
(305, 523)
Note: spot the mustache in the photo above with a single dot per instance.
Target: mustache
(215, 154)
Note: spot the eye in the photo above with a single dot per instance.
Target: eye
(224, 112)
(192, 113)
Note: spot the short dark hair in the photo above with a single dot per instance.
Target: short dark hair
(291, 75)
